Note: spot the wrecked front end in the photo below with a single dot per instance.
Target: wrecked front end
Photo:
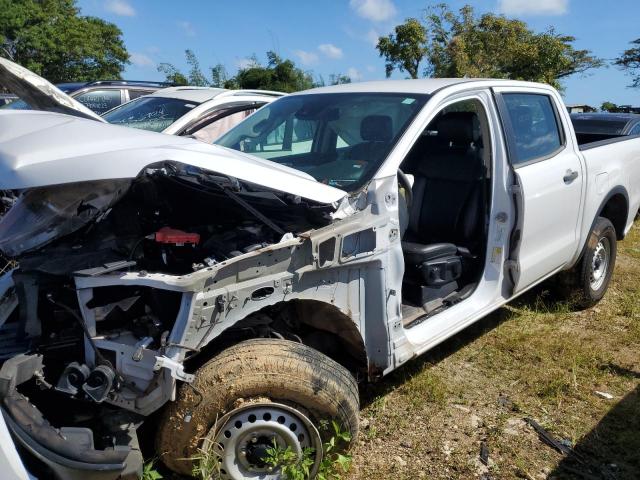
(120, 284)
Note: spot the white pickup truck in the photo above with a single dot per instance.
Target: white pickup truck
(245, 290)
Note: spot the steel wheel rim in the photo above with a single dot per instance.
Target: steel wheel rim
(600, 264)
(240, 437)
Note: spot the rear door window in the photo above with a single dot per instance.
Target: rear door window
(221, 125)
(535, 129)
(100, 101)
(133, 94)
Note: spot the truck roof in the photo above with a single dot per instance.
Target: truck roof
(418, 86)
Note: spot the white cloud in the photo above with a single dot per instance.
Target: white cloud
(372, 36)
(371, 68)
(187, 28)
(354, 74)
(374, 10)
(120, 7)
(330, 50)
(533, 7)
(306, 58)
(141, 60)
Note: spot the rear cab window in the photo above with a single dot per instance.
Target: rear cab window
(534, 131)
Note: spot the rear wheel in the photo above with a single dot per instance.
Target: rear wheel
(254, 395)
(589, 280)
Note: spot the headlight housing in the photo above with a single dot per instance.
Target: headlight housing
(44, 214)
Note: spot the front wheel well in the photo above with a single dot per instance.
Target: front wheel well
(616, 210)
(316, 324)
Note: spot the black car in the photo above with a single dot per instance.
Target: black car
(595, 127)
(102, 95)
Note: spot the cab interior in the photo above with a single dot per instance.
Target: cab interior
(444, 185)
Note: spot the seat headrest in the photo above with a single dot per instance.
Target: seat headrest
(376, 128)
(460, 128)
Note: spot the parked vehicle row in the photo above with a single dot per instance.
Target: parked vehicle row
(200, 112)
(102, 95)
(203, 113)
(242, 290)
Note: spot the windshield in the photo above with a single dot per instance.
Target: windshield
(149, 113)
(340, 139)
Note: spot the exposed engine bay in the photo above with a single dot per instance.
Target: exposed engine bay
(105, 344)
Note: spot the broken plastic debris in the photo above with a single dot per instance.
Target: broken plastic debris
(605, 395)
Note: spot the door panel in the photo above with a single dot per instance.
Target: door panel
(551, 211)
(550, 178)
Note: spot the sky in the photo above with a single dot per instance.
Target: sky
(338, 36)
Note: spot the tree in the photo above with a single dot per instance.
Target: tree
(608, 107)
(172, 74)
(219, 76)
(339, 79)
(630, 61)
(461, 44)
(405, 49)
(464, 45)
(52, 39)
(196, 77)
(279, 75)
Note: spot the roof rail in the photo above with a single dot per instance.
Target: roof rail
(239, 93)
(139, 83)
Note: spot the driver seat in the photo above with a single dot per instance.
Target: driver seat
(446, 216)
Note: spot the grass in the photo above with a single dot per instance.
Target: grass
(536, 358)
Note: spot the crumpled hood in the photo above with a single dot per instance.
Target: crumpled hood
(39, 149)
(39, 93)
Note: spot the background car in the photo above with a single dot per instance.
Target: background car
(202, 112)
(594, 127)
(103, 95)
(6, 98)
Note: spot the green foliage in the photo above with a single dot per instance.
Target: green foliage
(52, 39)
(332, 466)
(149, 471)
(339, 79)
(464, 45)
(630, 61)
(219, 77)
(608, 107)
(172, 74)
(206, 465)
(279, 74)
(196, 77)
(405, 49)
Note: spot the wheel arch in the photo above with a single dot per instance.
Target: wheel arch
(314, 323)
(615, 208)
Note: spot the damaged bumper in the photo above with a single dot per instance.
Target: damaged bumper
(68, 452)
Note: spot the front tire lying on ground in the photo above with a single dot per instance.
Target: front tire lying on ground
(587, 282)
(252, 395)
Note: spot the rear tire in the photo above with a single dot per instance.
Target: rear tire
(587, 282)
(308, 386)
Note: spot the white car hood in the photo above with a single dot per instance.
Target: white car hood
(39, 149)
(39, 93)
